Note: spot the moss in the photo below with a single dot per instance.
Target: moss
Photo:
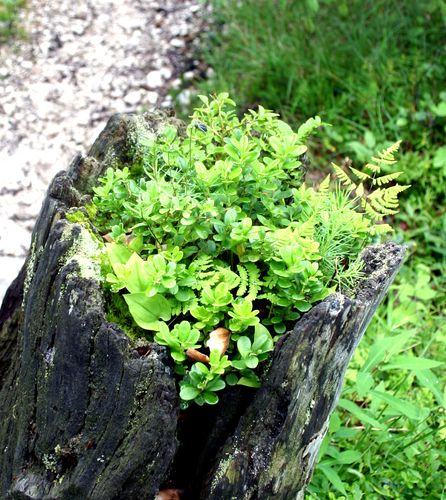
(85, 251)
(50, 462)
(119, 314)
(30, 264)
(76, 215)
(223, 466)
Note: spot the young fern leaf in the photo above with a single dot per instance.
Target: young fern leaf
(382, 201)
(225, 275)
(253, 280)
(383, 158)
(244, 280)
(360, 175)
(343, 177)
(270, 297)
(370, 211)
(324, 187)
(378, 204)
(385, 179)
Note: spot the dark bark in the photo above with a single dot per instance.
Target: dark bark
(85, 415)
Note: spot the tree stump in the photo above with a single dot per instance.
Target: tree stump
(85, 415)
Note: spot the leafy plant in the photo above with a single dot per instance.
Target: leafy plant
(217, 230)
(391, 414)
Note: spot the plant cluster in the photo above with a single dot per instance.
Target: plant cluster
(218, 245)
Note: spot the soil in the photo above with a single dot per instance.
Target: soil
(61, 83)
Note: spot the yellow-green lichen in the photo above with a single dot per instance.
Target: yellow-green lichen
(29, 273)
(85, 251)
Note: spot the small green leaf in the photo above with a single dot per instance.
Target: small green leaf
(147, 311)
(359, 413)
(216, 385)
(210, 397)
(364, 382)
(244, 346)
(188, 392)
(179, 357)
(411, 363)
(249, 382)
(263, 342)
(118, 253)
(139, 277)
(400, 406)
(349, 457)
(231, 379)
(230, 216)
(251, 361)
(333, 477)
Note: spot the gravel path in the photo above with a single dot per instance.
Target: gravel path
(83, 61)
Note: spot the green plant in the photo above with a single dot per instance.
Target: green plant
(385, 437)
(216, 231)
(375, 70)
(9, 10)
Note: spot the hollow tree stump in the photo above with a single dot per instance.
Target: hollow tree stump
(85, 416)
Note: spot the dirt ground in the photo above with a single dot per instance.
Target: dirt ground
(59, 86)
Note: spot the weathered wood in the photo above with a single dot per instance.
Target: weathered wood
(85, 415)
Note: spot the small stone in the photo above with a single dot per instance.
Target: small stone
(151, 97)
(133, 97)
(184, 98)
(177, 43)
(155, 78)
(189, 75)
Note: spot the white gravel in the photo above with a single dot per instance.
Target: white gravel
(82, 62)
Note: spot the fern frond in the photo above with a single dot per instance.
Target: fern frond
(253, 280)
(378, 229)
(378, 205)
(384, 157)
(360, 175)
(383, 161)
(243, 275)
(305, 229)
(202, 263)
(324, 186)
(187, 306)
(227, 276)
(385, 179)
(376, 169)
(360, 190)
(394, 191)
(270, 297)
(343, 176)
(370, 211)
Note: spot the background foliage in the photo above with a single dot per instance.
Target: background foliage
(9, 10)
(376, 71)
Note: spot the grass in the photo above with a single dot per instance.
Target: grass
(375, 71)
(9, 11)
